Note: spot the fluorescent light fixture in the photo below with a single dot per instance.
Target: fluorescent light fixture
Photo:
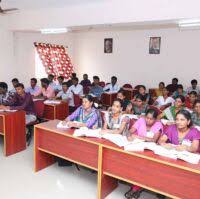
(195, 23)
(53, 30)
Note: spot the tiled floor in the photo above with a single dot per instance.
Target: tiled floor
(18, 180)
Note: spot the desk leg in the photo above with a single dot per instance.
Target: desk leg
(106, 184)
(41, 159)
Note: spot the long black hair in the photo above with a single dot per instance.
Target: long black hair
(186, 115)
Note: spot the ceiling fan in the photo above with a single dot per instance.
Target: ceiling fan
(5, 11)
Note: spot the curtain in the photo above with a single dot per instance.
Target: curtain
(55, 59)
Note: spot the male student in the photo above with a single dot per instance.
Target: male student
(76, 88)
(21, 101)
(96, 90)
(59, 85)
(66, 95)
(4, 95)
(173, 86)
(34, 88)
(69, 82)
(51, 81)
(193, 87)
(46, 91)
(113, 87)
(15, 81)
(85, 82)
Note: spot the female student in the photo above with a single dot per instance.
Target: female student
(164, 100)
(148, 129)
(181, 136)
(114, 121)
(196, 113)
(189, 102)
(142, 91)
(159, 91)
(170, 112)
(86, 115)
(140, 107)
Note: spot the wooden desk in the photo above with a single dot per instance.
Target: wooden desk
(13, 129)
(108, 98)
(173, 178)
(56, 111)
(129, 93)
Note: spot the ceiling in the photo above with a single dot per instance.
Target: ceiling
(37, 4)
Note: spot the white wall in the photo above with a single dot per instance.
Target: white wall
(25, 51)
(7, 69)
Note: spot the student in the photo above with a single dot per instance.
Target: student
(139, 106)
(4, 94)
(173, 86)
(159, 91)
(170, 112)
(46, 91)
(189, 102)
(146, 96)
(22, 101)
(196, 113)
(113, 87)
(58, 86)
(114, 121)
(85, 82)
(181, 136)
(33, 89)
(96, 90)
(51, 82)
(15, 81)
(149, 130)
(126, 104)
(164, 100)
(179, 91)
(76, 88)
(194, 87)
(69, 82)
(66, 95)
(86, 115)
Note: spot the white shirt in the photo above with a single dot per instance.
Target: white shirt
(111, 89)
(78, 89)
(161, 101)
(189, 89)
(58, 87)
(67, 96)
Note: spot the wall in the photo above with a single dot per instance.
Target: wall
(130, 61)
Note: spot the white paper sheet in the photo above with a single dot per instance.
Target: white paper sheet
(52, 102)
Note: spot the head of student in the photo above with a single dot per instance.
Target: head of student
(193, 96)
(60, 79)
(113, 80)
(165, 91)
(175, 81)
(15, 81)
(75, 81)
(3, 88)
(96, 80)
(65, 86)
(33, 82)
(139, 100)
(44, 82)
(117, 106)
(183, 120)
(121, 94)
(151, 117)
(197, 107)
(51, 77)
(180, 89)
(73, 75)
(194, 83)
(161, 85)
(85, 76)
(142, 89)
(179, 101)
(87, 102)
(20, 89)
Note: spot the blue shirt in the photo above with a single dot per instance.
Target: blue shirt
(33, 91)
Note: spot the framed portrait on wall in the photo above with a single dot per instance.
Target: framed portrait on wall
(154, 45)
(108, 45)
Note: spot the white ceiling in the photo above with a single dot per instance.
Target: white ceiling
(37, 4)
